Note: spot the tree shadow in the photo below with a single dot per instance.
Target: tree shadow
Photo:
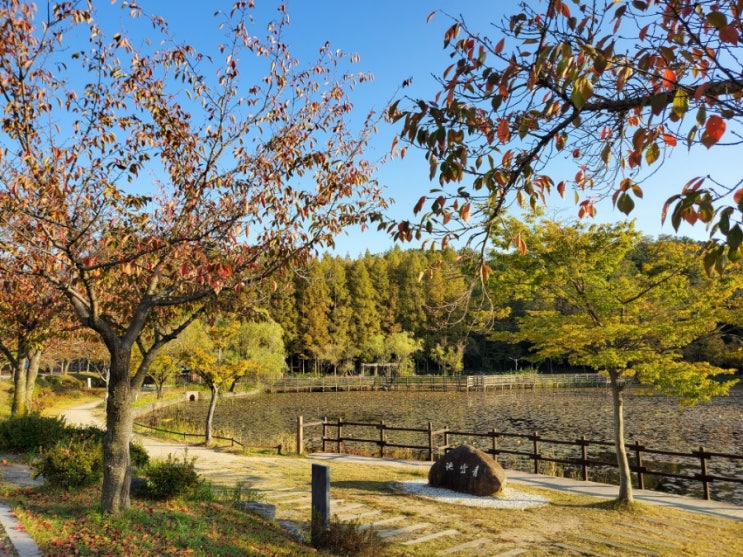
(376, 486)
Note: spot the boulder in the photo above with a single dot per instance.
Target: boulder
(265, 510)
(468, 470)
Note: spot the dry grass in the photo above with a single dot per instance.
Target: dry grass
(585, 523)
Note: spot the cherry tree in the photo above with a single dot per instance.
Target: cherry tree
(607, 88)
(30, 318)
(142, 180)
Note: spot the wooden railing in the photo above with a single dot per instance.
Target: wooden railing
(184, 435)
(337, 435)
(437, 382)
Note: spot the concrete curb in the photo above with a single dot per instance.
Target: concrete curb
(23, 543)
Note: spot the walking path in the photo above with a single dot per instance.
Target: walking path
(293, 503)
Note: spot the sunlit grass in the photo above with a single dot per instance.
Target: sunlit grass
(65, 524)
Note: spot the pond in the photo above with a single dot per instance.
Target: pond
(658, 422)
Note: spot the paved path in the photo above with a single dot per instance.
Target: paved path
(292, 503)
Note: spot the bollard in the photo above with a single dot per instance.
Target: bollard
(320, 501)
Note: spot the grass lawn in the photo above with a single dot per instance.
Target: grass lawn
(66, 524)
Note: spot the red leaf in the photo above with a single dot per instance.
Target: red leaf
(738, 197)
(419, 205)
(713, 131)
(729, 34)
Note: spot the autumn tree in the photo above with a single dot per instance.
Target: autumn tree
(30, 319)
(399, 349)
(209, 351)
(366, 320)
(143, 179)
(597, 307)
(314, 303)
(260, 344)
(607, 90)
(449, 357)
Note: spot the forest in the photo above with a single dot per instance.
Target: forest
(425, 311)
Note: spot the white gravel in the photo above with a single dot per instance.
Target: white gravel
(509, 498)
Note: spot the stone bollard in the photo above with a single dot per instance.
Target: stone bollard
(320, 501)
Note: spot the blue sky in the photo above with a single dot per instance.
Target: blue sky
(395, 43)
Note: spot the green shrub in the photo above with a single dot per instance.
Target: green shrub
(31, 433)
(71, 464)
(59, 383)
(138, 455)
(171, 478)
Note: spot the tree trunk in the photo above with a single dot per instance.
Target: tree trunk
(119, 421)
(32, 372)
(18, 407)
(625, 476)
(210, 414)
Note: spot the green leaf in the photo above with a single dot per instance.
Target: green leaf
(625, 203)
(717, 20)
(652, 153)
(582, 91)
(680, 102)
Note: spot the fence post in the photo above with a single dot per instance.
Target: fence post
(705, 481)
(300, 435)
(638, 458)
(430, 441)
(536, 452)
(324, 432)
(339, 436)
(584, 457)
(494, 433)
(381, 438)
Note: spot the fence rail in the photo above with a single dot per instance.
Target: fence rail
(184, 435)
(436, 382)
(431, 442)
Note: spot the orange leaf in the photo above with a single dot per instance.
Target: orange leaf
(504, 131)
(669, 139)
(738, 197)
(669, 78)
(561, 189)
(520, 244)
(464, 212)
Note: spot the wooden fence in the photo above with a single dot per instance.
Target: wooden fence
(184, 435)
(436, 382)
(525, 447)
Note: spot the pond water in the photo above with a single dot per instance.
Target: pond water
(657, 422)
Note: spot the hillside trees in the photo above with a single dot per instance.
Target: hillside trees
(142, 180)
(588, 96)
(346, 309)
(588, 300)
